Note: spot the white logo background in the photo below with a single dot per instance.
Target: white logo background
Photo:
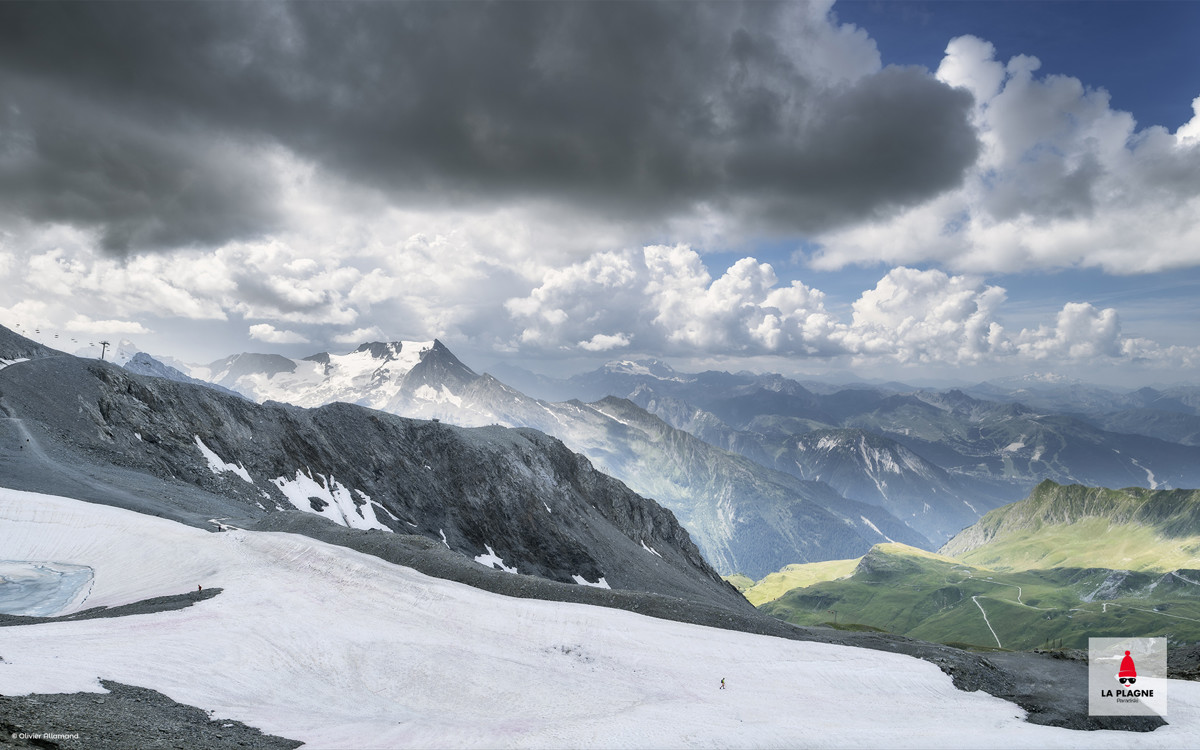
(1104, 664)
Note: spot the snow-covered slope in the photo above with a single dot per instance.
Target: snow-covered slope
(339, 649)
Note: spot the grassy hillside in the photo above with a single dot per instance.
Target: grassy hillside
(1075, 526)
(904, 590)
(797, 576)
(740, 582)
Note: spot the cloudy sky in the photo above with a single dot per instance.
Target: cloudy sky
(904, 190)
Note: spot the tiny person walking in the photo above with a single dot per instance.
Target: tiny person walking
(722, 683)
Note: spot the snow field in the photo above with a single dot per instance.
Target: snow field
(340, 649)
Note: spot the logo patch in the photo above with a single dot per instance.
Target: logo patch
(1127, 676)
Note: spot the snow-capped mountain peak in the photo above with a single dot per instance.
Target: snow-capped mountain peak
(371, 375)
(653, 368)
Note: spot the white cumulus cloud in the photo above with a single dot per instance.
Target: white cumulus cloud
(272, 335)
(926, 316)
(1063, 180)
(664, 299)
(663, 296)
(1079, 332)
(84, 324)
(603, 342)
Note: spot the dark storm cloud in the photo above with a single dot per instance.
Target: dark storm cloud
(142, 186)
(145, 120)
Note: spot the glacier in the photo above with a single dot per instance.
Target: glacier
(342, 650)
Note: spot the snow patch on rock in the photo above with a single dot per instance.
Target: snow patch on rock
(867, 521)
(490, 560)
(601, 584)
(328, 497)
(440, 395)
(217, 465)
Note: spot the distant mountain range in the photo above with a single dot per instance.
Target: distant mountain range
(872, 464)
(744, 516)
(1002, 442)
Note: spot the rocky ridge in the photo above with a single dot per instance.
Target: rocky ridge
(512, 498)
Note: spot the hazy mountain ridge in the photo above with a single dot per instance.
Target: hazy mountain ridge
(748, 517)
(1076, 396)
(745, 516)
(1001, 449)
(1170, 413)
(789, 428)
(143, 364)
(880, 471)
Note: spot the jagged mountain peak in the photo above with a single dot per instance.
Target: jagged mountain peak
(436, 358)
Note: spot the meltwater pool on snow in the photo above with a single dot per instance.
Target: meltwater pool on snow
(42, 589)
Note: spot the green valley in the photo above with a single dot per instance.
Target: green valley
(911, 592)
(1066, 564)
